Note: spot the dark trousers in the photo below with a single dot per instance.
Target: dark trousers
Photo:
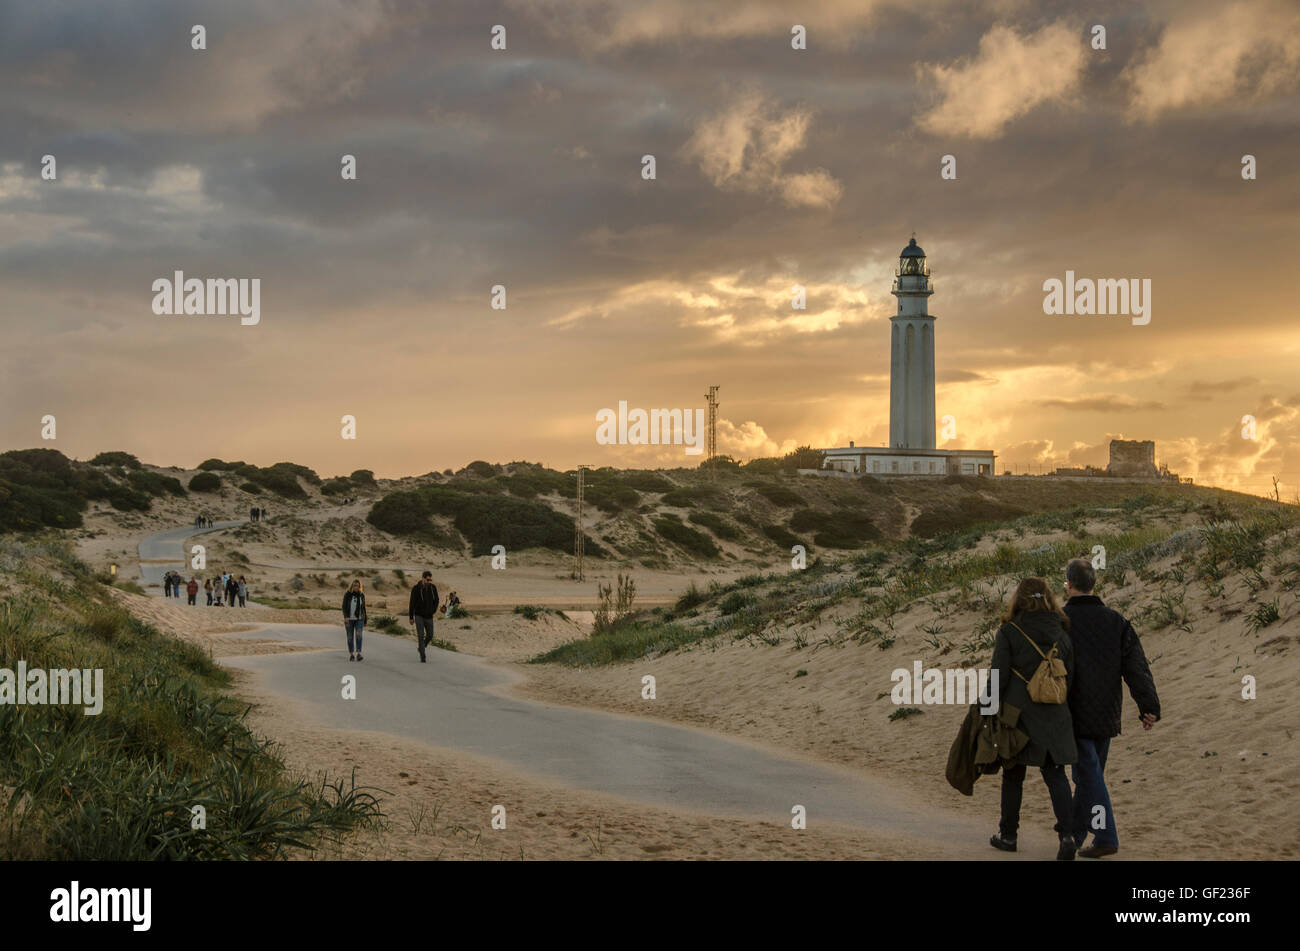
(1090, 792)
(193, 596)
(1058, 787)
(423, 632)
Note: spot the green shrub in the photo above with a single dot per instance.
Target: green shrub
(611, 498)
(336, 487)
(363, 477)
(484, 520)
(151, 483)
(484, 470)
(645, 481)
(216, 465)
(205, 482)
(840, 528)
(782, 536)
(687, 496)
(735, 602)
(715, 523)
(124, 459)
(534, 481)
(686, 537)
(126, 499)
(692, 597)
(780, 495)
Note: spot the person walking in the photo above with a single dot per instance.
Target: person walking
(1034, 633)
(241, 589)
(207, 586)
(354, 618)
(192, 590)
(424, 604)
(232, 590)
(1107, 651)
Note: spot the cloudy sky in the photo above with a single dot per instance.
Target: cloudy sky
(523, 167)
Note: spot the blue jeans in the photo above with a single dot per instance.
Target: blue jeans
(1090, 792)
(354, 629)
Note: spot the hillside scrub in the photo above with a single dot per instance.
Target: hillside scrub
(43, 488)
(1238, 538)
(485, 521)
(119, 786)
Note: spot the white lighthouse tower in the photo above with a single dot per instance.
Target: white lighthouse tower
(911, 362)
(911, 450)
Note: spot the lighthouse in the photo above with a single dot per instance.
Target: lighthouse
(911, 450)
(911, 362)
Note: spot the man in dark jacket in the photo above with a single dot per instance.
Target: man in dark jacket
(424, 602)
(1106, 651)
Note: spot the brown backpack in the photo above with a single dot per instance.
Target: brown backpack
(1048, 685)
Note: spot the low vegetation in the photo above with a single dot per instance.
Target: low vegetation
(122, 785)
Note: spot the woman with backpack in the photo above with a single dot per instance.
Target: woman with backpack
(1033, 660)
(354, 619)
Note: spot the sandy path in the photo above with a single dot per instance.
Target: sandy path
(463, 703)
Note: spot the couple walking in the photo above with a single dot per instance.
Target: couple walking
(1086, 649)
(424, 603)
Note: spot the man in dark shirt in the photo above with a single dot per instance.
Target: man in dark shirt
(424, 602)
(1106, 651)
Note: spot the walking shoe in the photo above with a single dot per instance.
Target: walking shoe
(1003, 843)
(1096, 851)
(1066, 852)
(359, 657)
(352, 657)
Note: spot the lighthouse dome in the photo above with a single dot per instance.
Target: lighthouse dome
(913, 250)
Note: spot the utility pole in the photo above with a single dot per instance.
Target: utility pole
(712, 397)
(577, 526)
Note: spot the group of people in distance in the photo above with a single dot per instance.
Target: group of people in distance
(421, 611)
(1099, 649)
(222, 590)
(254, 515)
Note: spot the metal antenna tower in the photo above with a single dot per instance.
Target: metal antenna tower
(712, 397)
(577, 525)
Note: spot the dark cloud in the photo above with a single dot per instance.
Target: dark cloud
(523, 168)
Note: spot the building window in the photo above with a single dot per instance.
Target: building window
(916, 465)
(932, 466)
(893, 465)
(985, 468)
(968, 467)
(875, 465)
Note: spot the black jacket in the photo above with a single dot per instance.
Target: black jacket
(347, 605)
(423, 603)
(1048, 724)
(1106, 650)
